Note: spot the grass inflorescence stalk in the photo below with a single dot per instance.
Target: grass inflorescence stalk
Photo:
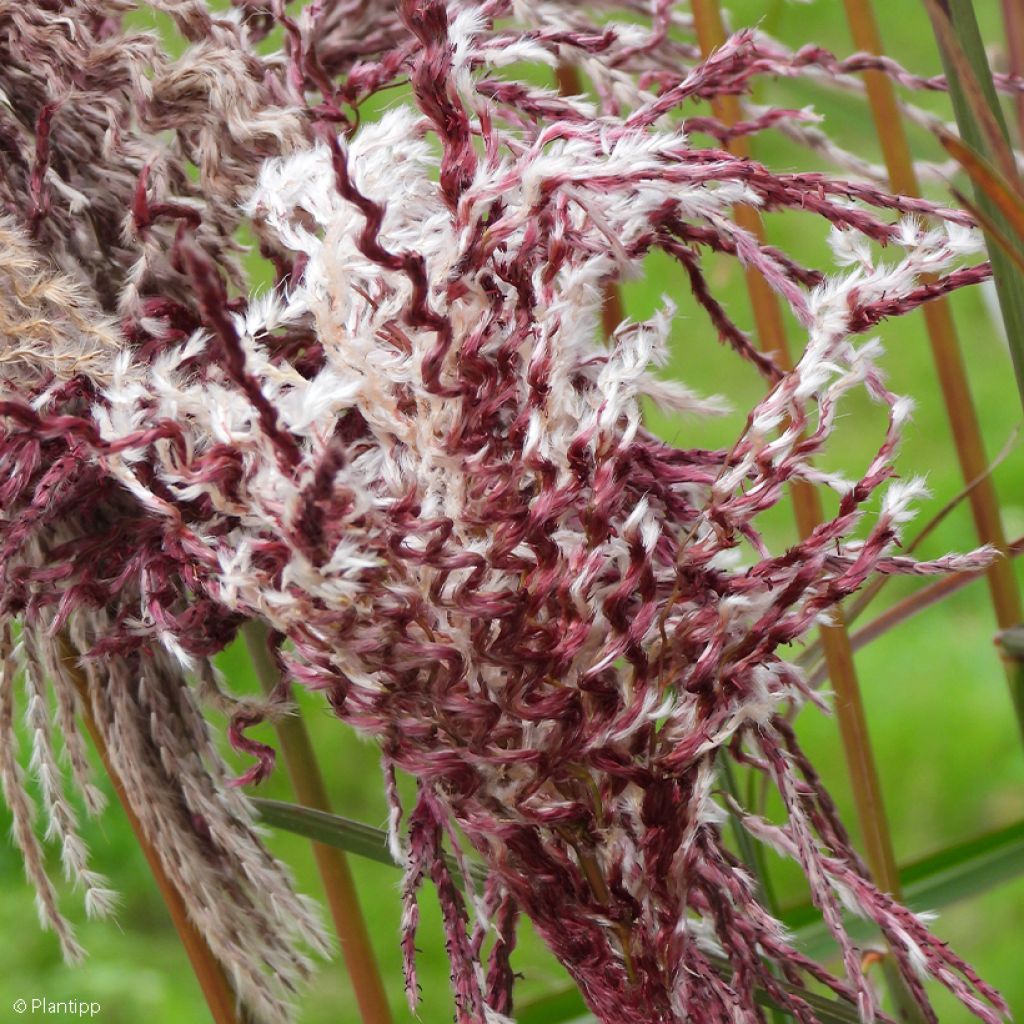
(209, 972)
(983, 128)
(335, 872)
(860, 761)
(1011, 646)
(570, 83)
(900, 611)
(948, 358)
(1013, 21)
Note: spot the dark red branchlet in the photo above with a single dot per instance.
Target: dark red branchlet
(421, 464)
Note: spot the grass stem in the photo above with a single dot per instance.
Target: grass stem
(983, 129)
(863, 773)
(1013, 22)
(946, 352)
(208, 970)
(335, 872)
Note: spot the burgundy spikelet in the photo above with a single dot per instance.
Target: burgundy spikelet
(418, 461)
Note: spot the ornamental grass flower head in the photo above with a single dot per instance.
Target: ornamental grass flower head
(419, 461)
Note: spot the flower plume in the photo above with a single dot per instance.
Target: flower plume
(419, 462)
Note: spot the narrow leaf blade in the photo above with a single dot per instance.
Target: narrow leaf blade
(961, 48)
(988, 180)
(344, 833)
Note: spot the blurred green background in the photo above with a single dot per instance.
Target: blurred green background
(940, 717)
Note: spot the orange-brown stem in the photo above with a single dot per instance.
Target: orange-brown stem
(946, 350)
(1013, 20)
(938, 316)
(864, 780)
(966, 84)
(209, 972)
(807, 507)
(332, 864)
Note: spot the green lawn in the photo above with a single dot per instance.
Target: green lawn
(940, 717)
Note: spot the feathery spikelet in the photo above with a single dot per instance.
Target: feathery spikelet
(417, 460)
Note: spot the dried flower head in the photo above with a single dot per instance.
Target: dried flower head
(417, 459)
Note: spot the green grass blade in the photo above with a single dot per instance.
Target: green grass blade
(334, 830)
(955, 873)
(993, 232)
(967, 868)
(962, 49)
(751, 853)
(563, 1006)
